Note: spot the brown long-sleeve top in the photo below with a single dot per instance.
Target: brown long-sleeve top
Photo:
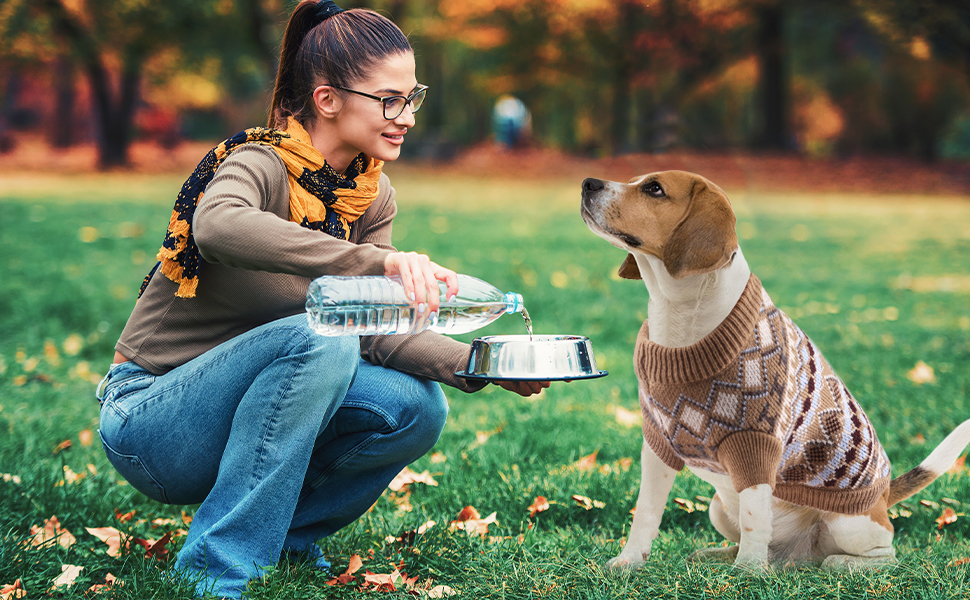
(257, 268)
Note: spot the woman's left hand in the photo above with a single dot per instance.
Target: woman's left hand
(523, 388)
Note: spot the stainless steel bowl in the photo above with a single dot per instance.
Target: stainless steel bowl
(541, 358)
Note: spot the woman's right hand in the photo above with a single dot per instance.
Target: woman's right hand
(420, 276)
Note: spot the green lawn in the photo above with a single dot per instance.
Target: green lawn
(880, 283)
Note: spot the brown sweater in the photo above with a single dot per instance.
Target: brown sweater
(257, 268)
(756, 400)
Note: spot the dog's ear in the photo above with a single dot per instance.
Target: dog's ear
(705, 239)
(629, 268)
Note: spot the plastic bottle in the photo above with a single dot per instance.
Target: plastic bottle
(378, 306)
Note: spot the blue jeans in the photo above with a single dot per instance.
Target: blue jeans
(284, 436)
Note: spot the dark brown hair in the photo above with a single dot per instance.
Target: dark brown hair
(338, 51)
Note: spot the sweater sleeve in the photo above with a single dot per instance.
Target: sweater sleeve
(242, 221)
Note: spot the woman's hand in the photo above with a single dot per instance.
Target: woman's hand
(420, 276)
(523, 388)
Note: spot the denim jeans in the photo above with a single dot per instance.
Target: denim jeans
(282, 435)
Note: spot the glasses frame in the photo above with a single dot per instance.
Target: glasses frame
(383, 100)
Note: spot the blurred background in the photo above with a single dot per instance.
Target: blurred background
(595, 78)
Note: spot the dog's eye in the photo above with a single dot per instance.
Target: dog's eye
(653, 189)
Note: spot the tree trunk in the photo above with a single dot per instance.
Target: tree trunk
(63, 126)
(623, 78)
(774, 77)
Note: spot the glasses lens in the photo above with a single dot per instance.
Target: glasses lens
(394, 106)
(418, 99)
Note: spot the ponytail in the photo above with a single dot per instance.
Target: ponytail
(325, 44)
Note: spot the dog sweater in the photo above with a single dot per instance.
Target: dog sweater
(756, 400)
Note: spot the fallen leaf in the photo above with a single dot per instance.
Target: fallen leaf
(85, 437)
(125, 517)
(684, 504)
(959, 466)
(407, 538)
(953, 563)
(406, 477)
(153, 549)
(68, 574)
(948, 516)
(628, 418)
(918, 439)
(587, 503)
(441, 591)
(50, 533)
(110, 536)
(348, 576)
(65, 445)
(921, 373)
(10, 478)
(72, 477)
(109, 581)
(471, 521)
(540, 504)
(12, 591)
(438, 457)
(586, 463)
(382, 582)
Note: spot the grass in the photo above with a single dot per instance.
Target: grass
(880, 283)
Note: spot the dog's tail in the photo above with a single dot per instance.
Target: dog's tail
(937, 463)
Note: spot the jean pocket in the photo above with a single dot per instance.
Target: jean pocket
(135, 472)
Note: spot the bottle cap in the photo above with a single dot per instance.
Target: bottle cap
(513, 302)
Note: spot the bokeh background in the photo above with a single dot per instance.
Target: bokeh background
(813, 78)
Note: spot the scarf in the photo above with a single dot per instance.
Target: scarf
(320, 198)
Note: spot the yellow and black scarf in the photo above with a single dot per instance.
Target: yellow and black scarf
(320, 198)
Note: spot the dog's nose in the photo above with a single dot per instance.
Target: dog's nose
(592, 185)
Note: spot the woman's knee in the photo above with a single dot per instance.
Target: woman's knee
(428, 411)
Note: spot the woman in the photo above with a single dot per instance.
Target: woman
(219, 393)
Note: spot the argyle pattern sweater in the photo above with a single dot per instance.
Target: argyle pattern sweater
(756, 400)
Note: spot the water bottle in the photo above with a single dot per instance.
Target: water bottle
(371, 305)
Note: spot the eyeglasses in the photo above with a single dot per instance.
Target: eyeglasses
(394, 105)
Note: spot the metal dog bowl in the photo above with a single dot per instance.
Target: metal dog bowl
(541, 358)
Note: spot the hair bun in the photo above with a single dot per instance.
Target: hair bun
(327, 9)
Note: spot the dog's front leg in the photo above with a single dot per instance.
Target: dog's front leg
(755, 521)
(656, 480)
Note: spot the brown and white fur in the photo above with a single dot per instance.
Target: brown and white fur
(678, 229)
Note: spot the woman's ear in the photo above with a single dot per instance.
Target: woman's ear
(326, 102)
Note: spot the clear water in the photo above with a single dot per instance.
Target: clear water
(528, 322)
(385, 320)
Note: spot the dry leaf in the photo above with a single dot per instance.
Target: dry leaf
(125, 517)
(953, 563)
(68, 574)
(948, 516)
(441, 591)
(65, 445)
(407, 538)
(51, 533)
(348, 576)
(85, 437)
(12, 591)
(109, 581)
(110, 536)
(586, 463)
(540, 504)
(921, 373)
(959, 466)
(628, 418)
(407, 477)
(382, 582)
(471, 521)
(10, 478)
(154, 549)
(587, 503)
(72, 477)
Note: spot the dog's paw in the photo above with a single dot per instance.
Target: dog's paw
(845, 562)
(626, 562)
(752, 563)
(714, 555)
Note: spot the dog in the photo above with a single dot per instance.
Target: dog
(732, 389)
